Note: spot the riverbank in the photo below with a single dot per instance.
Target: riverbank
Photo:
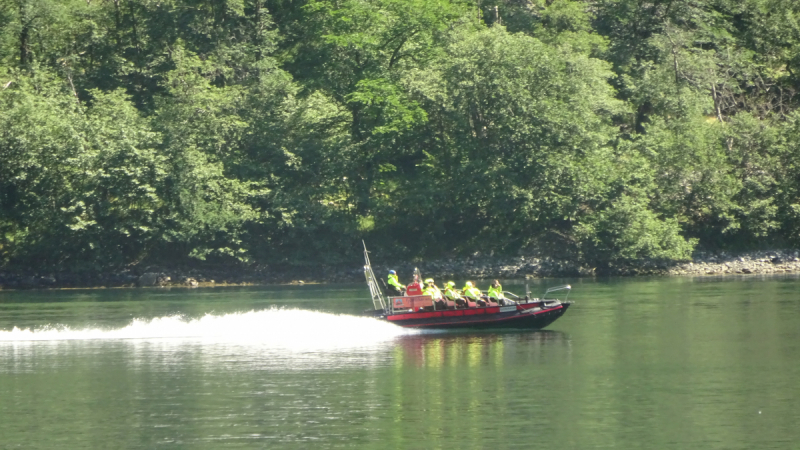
(522, 267)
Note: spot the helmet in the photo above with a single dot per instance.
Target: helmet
(392, 272)
(429, 280)
(451, 284)
(469, 283)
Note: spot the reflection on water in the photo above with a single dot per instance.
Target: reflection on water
(472, 348)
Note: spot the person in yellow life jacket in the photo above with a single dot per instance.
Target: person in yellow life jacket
(434, 292)
(395, 287)
(495, 293)
(471, 292)
(453, 294)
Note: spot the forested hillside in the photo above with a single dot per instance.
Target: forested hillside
(285, 131)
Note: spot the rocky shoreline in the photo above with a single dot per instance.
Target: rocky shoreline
(522, 267)
(762, 263)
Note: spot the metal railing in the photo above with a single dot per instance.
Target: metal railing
(372, 282)
(558, 288)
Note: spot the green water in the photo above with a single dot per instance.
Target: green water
(664, 363)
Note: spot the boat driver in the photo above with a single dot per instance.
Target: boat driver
(395, 288)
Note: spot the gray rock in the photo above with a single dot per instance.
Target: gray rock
(148, 279)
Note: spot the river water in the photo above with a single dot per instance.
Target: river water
(663, 363)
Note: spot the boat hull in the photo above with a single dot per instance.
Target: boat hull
(526, 316)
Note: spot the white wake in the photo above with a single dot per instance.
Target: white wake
(291, 329)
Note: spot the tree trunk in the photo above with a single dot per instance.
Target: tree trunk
(117, 21)
(23, 46)
(134, 29)
(24, 35)
(257, 29)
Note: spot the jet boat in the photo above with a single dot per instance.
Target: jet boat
(422, 311)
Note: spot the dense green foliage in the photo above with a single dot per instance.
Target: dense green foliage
(278, 131)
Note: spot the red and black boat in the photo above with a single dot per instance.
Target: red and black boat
(420, 311)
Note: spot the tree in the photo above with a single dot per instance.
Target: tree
(523, 141)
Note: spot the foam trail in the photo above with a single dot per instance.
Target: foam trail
(276, 328)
